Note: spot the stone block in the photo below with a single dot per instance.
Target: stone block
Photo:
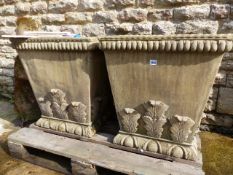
(218, 120)
(220, 11)
(119, 29)
(120, 3)
(133, 15)
(197, 26)
(210, 105)
(39, 7)
(11, 21)
(7, 49)
(10, 1)
(6, 63)
(105, 17)
(22, 8)
(177, 2)
(93, 30)
(231, 14)
(78, 18)
(82, 168)
(230, 80)
(220, 78)
(192, 12)
(144, 28)
(76, 29)
(7, 30)
(6, 81)
(160, 14)
(91, 5)
(62, 6)
(7, 72)
(146, 3)
(2, 21)
(227, 27)
(8, 10)
(213, 93)
(53, 19)
(227, 65)
(225, 101)
(51, 28)
(164, 28)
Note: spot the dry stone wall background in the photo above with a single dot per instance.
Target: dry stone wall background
(114, 17)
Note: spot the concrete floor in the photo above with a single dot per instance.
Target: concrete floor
(217, 150)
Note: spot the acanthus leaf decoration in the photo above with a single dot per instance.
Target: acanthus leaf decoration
(181, 128)
(130, 120)
(155, 118)
(77, 112)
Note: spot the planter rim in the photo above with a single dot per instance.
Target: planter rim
(169, 43)
(55, 43)
(167, 37)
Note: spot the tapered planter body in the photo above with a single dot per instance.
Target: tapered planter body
(160, 86)
(68, 78)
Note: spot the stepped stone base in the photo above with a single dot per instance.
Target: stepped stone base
(73, 156)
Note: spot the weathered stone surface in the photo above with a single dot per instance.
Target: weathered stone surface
(93, 30)
(164, 27)
(6, 63)
(160, 14)
(62, 6)
(4, 42)
(76, 29)
(146, 3)
(105, 17)
(7, 30)
(213, 93)
(78, 18)
(53, 19)
(119, 3)
(198, 26)
(175, 2)
(133, 15)
(227, 65)
(231, 14)
(51, 28)
(4, 80)
(2, 21)
(219, 120)
(220, 11)
(211, 105)
(7, 49)
(220, 78)
(230, 80)
(225, 101)
(10, 1)
(91, 5)
(227, 27)
(117, 29)
(22, 8)
(11, 21)
(39, 7)
(144, 28)
(8, 10)
(192, 12)
(7, 72)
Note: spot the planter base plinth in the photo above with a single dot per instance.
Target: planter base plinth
(145, 143)
(54, 124)
(49, 150)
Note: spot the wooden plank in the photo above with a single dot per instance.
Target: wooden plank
(100, 155)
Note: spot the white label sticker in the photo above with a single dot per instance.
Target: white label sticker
(153, 62)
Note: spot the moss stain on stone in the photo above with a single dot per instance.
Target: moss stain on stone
(217, 153)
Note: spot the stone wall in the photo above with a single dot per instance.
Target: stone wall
(114, 17)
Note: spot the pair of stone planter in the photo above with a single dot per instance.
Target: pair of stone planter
(160, 85)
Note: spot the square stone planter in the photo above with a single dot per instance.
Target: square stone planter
(160, 86)
(69, 80)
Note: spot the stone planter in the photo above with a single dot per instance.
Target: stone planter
(160, 86)
(67, 77)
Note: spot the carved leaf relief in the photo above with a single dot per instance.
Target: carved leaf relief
(54, 104)
(77, 112)
(181, 128)
(155, 118)
(130, 120)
